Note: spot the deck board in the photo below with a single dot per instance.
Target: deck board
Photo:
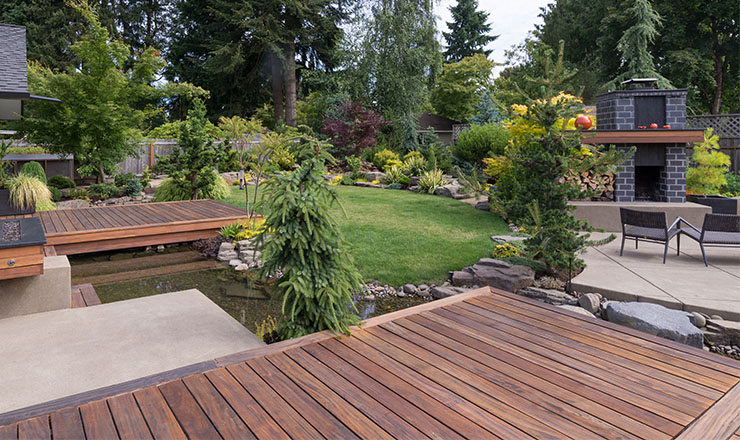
(84, 295)
(485, 365)
(103, 228)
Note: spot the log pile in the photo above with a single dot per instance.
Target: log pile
(601, 186)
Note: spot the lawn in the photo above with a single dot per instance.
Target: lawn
(399, 237)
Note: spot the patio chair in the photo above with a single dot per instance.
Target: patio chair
(718, 230)
(648, 226)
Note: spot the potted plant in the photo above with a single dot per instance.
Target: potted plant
(6, 207)
(708, 175)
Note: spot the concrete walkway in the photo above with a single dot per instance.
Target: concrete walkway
(682, 283)
(46, 356)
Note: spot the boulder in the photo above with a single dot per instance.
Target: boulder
(250, 255)
(245, 244)
(423, 287)
(409, 288)
(494, 273)
(699, 319)
(591, 302)
(549, 296)
(439, 292)
(656, 320)
(235, 262)
(242, 268)
(482, 205)
(452, 190)
(501, 239)
(374, 175)
(577, 309)
(73, 204)
(414, 180)
(226, 252)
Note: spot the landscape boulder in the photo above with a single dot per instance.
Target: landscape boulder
(73, 204)
(549, 296)
(374, 175)
(226, 252)
(591, 302)
(494, 273)
(452, 190)
(579, 310)
(439, 292)
(656, 320)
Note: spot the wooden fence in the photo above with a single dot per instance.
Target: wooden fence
(727, 127)
(147, 153)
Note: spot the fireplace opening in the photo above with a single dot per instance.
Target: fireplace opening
(647, 183)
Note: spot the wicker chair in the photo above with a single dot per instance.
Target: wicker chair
(648, 226)
(718, 230)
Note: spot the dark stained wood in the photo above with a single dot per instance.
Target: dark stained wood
(127, 417)
(103, 228)
(189, 414)
(158, 415)
(89, 295)
(659, 136)
(97, 420)
(486, 364)
(67, 424)
(20, 262)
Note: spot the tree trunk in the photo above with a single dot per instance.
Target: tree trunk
(277, 88)
(719, 80)
(101, 173)
(291, 93)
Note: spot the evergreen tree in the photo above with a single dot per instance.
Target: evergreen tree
(637, 61)
(469, 31)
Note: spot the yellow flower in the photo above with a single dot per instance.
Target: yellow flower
(375, 182)
(519, 108)
(586, 152)
(335, 180)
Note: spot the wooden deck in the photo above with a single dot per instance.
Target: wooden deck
(103, 228)
(84, 295)
(485, 364)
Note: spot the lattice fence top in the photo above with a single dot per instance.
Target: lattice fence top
(725, 126)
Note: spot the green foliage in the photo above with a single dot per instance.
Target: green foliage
(732, 187)
(5, 167)
(710, 166)
(56, 195)
(28, 191)
(384, 159)
(480, 141)
(170, 190)
(282, 158)
(486, 112)
(469, 31)
(27, 150)
(128, 184)
(532, 190)
(431, 180)
(193, 165)
(99, 113)
(394, 186)
(494, 166)
(354, 164)
(348, 180)
(505, 250)
(405, 180)
(634, 46)
(79, 194)
(319, 277)
(229, 232)
(34, 169)
(146, 177)
(457, 92)
(171, 130)
(414, 164)
(438, 155)
(60, 181)
(393, 175)
(538, 267)
(104, 190)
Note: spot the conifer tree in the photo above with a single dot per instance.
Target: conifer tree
(469, 31)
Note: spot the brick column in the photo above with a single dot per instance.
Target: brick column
(673, 177)
(624, 182)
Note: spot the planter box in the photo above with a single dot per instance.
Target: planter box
(719, 204)
(7, 209)
(21, 252)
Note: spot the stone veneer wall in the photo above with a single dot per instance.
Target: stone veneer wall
(624, 182)
(616, 110)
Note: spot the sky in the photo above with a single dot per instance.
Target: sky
(511, 19)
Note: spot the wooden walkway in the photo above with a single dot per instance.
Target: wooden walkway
(103, 228)
(84, 295)
(485, 364)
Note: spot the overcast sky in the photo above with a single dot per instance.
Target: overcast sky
(511, 19)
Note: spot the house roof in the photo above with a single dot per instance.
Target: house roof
(13, 75)
(438, 123)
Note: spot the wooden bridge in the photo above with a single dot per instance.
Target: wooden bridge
(485, 364)
(103, 228)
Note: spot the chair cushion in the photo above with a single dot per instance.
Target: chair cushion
(651, 233)
(714, 237)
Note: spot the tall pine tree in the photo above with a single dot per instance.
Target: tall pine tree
(469, 31)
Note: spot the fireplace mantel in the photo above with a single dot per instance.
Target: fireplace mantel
(648, 136)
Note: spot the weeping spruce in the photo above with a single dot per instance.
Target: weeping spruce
(304, 242)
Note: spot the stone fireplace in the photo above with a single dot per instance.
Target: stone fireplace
(657, 171)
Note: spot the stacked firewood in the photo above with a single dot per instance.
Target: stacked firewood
(601, 186)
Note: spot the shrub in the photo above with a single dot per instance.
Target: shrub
(170, 190)
(707, 175)
(348, 180)
(393, 175)
(404, 180)
(395, 186)
(538, 267)
(146, 177)
(60, 182)
(46, 205)
(56, 195)
(129, 184)
(28, 191)
(229, 232)
(267, 330)
(732, 187)
(438, 156)
(283, 159)
(431, 180)
(414, 165)
(505, 250)
(79, 194)
(208, 247)
(353, 127)
(480, 141)
(383, 157)
(34, 169)
(104, 190)
(494, 166)
(354, 164)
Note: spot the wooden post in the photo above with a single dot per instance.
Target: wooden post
(151, 154)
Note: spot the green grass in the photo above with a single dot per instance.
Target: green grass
(399, 237)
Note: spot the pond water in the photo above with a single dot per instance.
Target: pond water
(118, 277)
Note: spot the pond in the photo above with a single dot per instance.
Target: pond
(122, 276)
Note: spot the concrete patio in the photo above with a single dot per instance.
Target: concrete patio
(682, 283)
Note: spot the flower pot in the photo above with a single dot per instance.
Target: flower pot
(719, 204)
(6, 208)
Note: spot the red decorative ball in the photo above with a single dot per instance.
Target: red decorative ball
(653, 125)
(583, 122)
